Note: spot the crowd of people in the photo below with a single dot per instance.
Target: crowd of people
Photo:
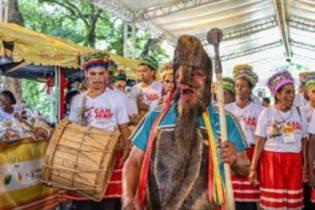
(177, 158)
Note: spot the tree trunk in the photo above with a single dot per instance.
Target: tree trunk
(14, 16)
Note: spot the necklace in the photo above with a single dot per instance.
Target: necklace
(284, 118)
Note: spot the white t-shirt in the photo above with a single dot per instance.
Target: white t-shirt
(271, 125)
(247, 117)
(308, 110)
(311, 127)
(130, 103)
(105, 111)
(255, 99)
(155, 103)
(149, 94)
(299, 100)
(5, 116)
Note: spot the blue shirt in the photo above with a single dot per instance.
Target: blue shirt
(234, 132)
(141, 136)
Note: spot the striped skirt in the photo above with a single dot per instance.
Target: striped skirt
(243, 190)
(281, 180)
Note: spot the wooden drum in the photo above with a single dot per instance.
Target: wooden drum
(80, 159)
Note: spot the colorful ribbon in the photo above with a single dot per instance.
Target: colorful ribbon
(140, 196)
(216, 187)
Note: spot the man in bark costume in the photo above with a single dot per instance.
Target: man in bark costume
(170, 165)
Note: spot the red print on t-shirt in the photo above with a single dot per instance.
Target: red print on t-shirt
(250, 121)
(152, 96)
(295, 125)
(103, 113)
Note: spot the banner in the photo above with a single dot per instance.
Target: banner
(20, 174)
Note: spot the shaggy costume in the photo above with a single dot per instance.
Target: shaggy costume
(178, 171)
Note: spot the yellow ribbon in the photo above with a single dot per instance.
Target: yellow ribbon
(218, 184)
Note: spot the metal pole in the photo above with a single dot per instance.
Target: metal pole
(57, 94)
(133, 41)
(125, 39)
(6, 11)
(1, 11)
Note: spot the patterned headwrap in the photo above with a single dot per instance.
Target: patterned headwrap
(229, 84)
(305, 75)
(120, 76)
(310, 83)
(245, 71)
(279, 79)
(150, 61)
(97, 59)
(166, 69)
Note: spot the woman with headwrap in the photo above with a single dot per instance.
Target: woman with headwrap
(247, 114)
(309, 111)
(166, 73)
(229, 89)
(281, 148)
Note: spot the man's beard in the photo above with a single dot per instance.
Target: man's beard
(186, 134)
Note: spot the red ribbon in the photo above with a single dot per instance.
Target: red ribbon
(140, 197)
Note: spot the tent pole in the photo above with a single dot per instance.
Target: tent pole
(61, 92)
(125, 39)
(133, 41)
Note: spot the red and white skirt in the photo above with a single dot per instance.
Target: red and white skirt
(281, 180)
(114, 189)
(243, 190)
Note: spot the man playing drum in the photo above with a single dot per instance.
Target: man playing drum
(103, 108)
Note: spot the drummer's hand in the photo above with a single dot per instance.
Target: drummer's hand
(129, 203)
(40, 133)
(124, 157)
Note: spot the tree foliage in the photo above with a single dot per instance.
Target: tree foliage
(35, 96)
(83, 23)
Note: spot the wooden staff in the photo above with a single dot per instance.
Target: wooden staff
(214, 37)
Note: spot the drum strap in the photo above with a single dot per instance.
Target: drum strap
(81, 112)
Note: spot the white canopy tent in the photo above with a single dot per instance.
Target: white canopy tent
(263, 33)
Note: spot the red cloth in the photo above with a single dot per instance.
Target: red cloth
(242, 188)
(114, 189)
(281, 180)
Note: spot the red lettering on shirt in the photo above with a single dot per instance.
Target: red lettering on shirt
(152, 96)
(295, 125)
(103, 113)
(250, 121)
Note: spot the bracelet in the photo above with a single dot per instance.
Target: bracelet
(252, 169)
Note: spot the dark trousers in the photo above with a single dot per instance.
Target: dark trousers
(105, 204)
(245, 205)
(308, 205)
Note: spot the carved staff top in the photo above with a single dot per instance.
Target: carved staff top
(214, 37)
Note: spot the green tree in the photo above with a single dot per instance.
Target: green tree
(35, 96)
(80, 22)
